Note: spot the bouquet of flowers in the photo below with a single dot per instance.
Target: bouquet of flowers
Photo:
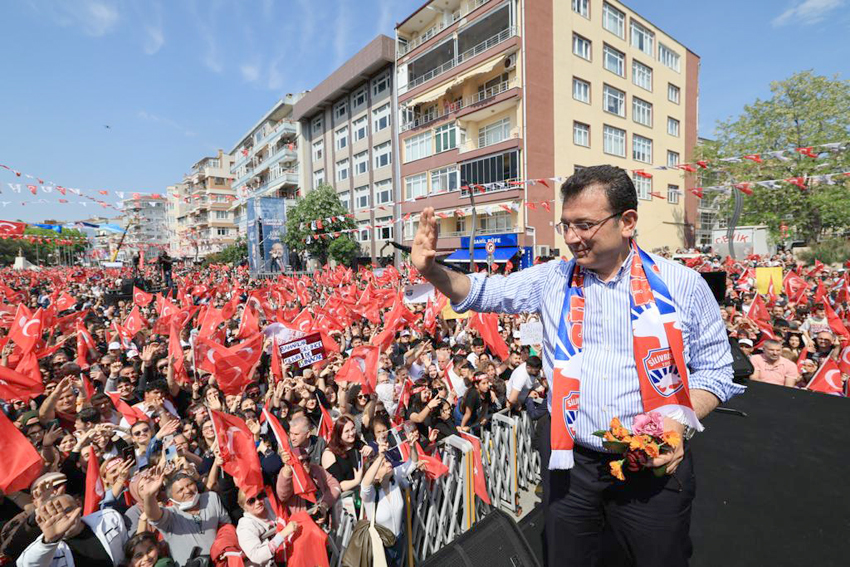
(647, 441)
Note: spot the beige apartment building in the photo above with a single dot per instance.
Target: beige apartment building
(348, 142)
(490, 97)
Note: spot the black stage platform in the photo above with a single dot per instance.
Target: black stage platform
(773, 488)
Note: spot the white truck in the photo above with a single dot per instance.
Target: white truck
(746, 240)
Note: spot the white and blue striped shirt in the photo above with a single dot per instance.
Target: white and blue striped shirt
(609, 381)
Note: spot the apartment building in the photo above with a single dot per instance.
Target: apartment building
(265, 160)
(489, 98)
(349, 143)
(146, 221)
(204, 220)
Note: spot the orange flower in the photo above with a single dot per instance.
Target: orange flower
(671, 438)
(609, 436)
(635, 443)
(652, 450)
(617, 470)
(615, 423)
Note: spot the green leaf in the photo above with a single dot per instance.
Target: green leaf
(616, 446)
(600, 433)
(660, 471)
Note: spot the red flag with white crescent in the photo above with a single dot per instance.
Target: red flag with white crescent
(479, 482)
(302, 484)
(141, 298)
(827, 379)
(238, 451)
(21, 463)
(94, 485)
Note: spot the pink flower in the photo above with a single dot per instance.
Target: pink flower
(648, 424)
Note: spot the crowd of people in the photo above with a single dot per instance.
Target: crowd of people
(135, 405)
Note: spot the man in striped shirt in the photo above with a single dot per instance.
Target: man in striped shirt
(648, 525)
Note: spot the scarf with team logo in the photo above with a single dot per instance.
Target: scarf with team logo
(658, 350)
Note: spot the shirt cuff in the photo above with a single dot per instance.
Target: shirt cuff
(725, 390)
(476, 282)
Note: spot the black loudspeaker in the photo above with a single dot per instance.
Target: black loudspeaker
(741, 365)
(495, 541)
(717, 282)
(127, 286)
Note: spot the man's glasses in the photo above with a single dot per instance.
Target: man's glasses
(253, 500)
(583, 227)
(140, 432)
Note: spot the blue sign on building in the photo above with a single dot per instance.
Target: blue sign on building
(266, 227)
(500, 240)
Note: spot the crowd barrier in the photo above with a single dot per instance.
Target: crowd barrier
(438, 511)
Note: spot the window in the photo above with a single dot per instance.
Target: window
(613, 20)
(221, 231)
(340, 109)
(341, 137)
(444, 180)
(581, 90)
(673, 194)
(417, 147)
(410, 227)
(641, 149)
(345, 199)
(362, 231)
(318, 177)
(497, 222)
(613, 60)
(361, 197)
(581, 134)
(672, 93)
(380, 84)
(445, 138)
(384, 228)
(361, 163)
(614, 141)
(222, 215)
(416, 186)
(317, 125)
(360, 128)
(641, 75)
(494, 133)
(358, 98)
(384, 192)
(642, 38)
(644, 187)
(581, 46)
(318, 150)
(460, 224)
(581, 8)
(672, 126)
(380, 118)
(501, 167)
(641, 111)
(672, 159)
(383, 154)
(614, 101)
(668, 56)
(342, 170)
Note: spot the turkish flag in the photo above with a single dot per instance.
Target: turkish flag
(9, 228)
(816, 270)
(141, 298)
(326, 424)
(232, 367)
(238, 451)
(209, 323)
(827, 379)
(804, 354)
(303, 322)
(820, 294)
(309, 545)
(350, 371)
(94, 485)
(175, 354)
(434, 466)
(835, 322)
(277, 365)
(15, 385)
(794, 286)
(134, 322)
(26, 328)
(28, 366)
(250, 323)
(302, 484)
(479, 482)
(65, 302)
(85, 344)
(487, 325)
(130, 413)
(21, 464)
(771, 294)
(844, 360)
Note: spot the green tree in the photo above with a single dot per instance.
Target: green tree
(231, 254)
(804, 110)
(343, 251)
(321, 203)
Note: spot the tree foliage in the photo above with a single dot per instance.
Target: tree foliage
(231, 254)
(46, 252)
(804, 110)
(321, 203)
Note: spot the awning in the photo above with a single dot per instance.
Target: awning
(499, 255)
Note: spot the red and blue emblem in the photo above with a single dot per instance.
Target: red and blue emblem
(661, 369)
(571, 412)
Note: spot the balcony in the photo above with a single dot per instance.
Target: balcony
(481, 97)
(481, 231)
(403, 49)
(478, 49)
(491, 187)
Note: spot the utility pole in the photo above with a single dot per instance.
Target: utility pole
(472, 229)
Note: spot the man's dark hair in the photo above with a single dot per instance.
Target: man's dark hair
(160, 385)
(616, 183)
(534, 362)
(477, 341)
(89, 415)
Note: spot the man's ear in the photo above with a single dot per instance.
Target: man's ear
(629, 223)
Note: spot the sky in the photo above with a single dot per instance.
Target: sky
(177, 80)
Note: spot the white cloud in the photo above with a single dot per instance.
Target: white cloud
(807, 12)
(94, 17)
(342, 24)
(151, 117)
(154, 39)
(250, 72)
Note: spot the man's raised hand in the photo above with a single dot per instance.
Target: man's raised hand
(425, 242)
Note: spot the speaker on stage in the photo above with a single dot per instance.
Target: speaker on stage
(717, 282)
(495, 541)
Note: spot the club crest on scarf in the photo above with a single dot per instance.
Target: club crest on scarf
(661, 369)
(571, 412)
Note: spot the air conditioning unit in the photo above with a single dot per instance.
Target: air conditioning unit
(510, 61)
(541, 250)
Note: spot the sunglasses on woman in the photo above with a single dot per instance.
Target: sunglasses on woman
(253, 500)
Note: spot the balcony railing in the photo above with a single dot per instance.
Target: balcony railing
(481, 231)
(431, 32)
(452, 107)
(491, 187)
(483, 142)
(500, 37)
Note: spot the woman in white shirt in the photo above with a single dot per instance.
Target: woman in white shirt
(383, 498)
(257, 530)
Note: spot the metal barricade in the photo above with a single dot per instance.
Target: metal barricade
(510, 461)
(339, 537)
